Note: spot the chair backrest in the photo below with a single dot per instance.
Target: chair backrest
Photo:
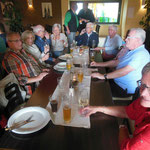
(13, 95)
(97, 28)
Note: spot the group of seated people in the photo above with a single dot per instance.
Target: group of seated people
(29, 57)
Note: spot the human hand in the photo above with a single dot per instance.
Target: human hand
(68, 31)
(46, 35)
(83, 31)
(46, 70)
(88, 110)
(97, 75)
(93, 63)
(42, 75)
(46, 48)
(45, 57)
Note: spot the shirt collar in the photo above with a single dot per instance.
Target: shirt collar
(89, 34)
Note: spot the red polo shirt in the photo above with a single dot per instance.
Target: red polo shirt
(141, 135)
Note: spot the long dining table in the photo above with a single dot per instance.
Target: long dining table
(102, 135)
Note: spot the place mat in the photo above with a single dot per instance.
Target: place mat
(76, 119)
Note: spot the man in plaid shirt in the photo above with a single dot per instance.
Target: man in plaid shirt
(22, 64)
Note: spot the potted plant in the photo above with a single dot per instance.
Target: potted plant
(12, 16)
(145, 22)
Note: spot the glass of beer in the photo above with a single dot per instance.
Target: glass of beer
(67, 109)
(80, 75)
(53, 103)
(69, 64)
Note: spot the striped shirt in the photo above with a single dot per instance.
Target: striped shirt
(23, 65)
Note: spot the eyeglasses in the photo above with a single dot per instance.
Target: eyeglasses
(131, 37)
(142, 86)
(16, 41)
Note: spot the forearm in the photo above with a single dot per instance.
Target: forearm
(111, 63)
(117, 111)
(33, 79)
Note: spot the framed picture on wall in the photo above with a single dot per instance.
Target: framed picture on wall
(46, 10)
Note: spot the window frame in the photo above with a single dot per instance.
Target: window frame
(105, 1)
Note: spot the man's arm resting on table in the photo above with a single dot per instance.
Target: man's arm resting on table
(37, 78)
(111, 63)
(115, 74)
(117, 111)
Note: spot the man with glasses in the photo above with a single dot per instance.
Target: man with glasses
(128, 67)
(88, 37)
(138, 110)
(23, 65)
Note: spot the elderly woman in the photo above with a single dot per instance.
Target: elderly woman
(112, 43)
(87, 36)
(59, 40)
(28, 38)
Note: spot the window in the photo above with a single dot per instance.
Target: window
(107, 12)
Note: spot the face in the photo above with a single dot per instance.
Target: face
(88, 29)
(56, 31)
(15, 42)
(145, 92)
(41, 32)
(29, 40)
(111, 32)
(131, 40)
(85, 6)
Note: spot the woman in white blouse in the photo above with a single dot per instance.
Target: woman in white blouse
(28, 38)
(58, 40)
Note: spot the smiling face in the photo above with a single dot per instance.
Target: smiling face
(145, 92)
(56, 31)
(29, 40)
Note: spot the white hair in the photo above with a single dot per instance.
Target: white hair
(57, 25)
(37, 28)
(91, 24)
(140, 33)
(114, 27)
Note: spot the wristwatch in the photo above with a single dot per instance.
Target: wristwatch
(105, 76)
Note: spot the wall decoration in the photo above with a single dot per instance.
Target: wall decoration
(46, 10)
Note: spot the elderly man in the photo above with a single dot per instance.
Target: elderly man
(23, 65)
(128, 67)
(88, 37)
(42, 40)
(112, 43)
(139, 111)
(71, 23)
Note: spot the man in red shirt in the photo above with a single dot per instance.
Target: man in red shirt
(22, 64)
(139, 111)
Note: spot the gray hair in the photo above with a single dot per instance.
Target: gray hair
(91, 24)
(140, 33)
(25, 35)
(146, 69)
(10, 34)
(57, 25)
(37, 28)
(114, 27)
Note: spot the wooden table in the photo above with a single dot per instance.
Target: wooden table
(103, 134)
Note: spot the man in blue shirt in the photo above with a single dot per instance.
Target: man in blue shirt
(128, 67)
(42, 40)
(88, 37)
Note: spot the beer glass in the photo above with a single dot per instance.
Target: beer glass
(66, 109)
(80, 75)
(69, 64)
